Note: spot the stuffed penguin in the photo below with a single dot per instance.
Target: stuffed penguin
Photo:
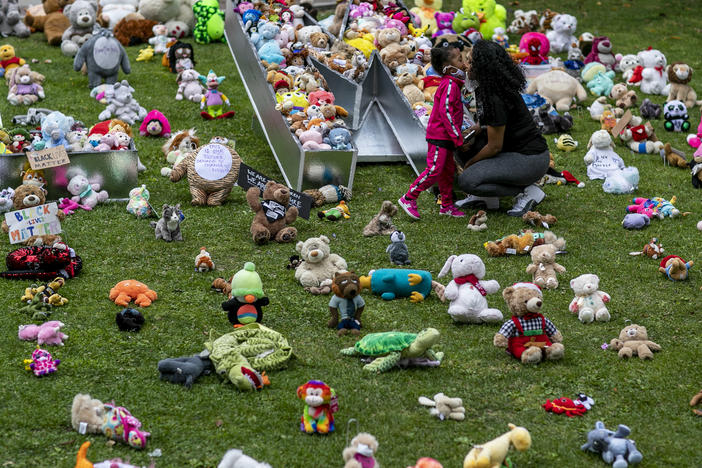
(247, 299)
(399, 255)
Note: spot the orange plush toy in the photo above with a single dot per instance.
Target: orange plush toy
(130, 290)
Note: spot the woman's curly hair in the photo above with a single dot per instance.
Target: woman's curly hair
(495, 73)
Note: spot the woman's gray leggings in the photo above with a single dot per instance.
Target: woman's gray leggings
(505, 174)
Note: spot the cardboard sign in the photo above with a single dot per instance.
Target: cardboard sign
(250, 178)
(35, 221)
(49, 157)
(213, 162)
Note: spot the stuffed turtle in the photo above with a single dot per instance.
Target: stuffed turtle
(240, 355)
(210, 22)
(392, 347)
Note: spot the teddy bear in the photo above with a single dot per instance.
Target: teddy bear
(478, 221)
(408, 84)
(208, 187)
(633, 341)
(558, 88)
(338, 138)
(53, 22)
(394, 55)
(346, 305)
(381, 224)
(177, 15)
(84, 192)
(627, 65)
(444, 23)
(273, 215)
(467, 290)
(528, 336)
(387, 36)
(122, 105)
(679, 75)
(24, 88)
(544, 267)
(26, 196)
(589, 302)
(361, 452)
(133, 30)
(675, 268)
(561, 36)
(318, 265)
(114, 11)
(87, 414)
(601, 52)
(624, 98)
(651, 75)
(524, 22)
(83, 17)
(47, 333)
(103, 56)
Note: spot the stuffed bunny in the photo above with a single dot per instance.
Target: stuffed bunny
(467, 292)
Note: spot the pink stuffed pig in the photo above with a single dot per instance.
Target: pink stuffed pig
(47, 333)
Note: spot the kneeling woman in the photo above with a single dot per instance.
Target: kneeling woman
(508, 154)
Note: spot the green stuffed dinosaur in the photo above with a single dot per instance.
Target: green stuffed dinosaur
(240, 355)
(37, 308)
(210, 22)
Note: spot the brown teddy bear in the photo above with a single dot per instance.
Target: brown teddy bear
(53, 23)
(511, 245)
(632, 341)
(319, 41)
(394, 55)
(209, 184)
(674, 157)
(544, 267)
(381, 224)
(624, 98)
(346, 299)
(387, 36)
(132, 30)
(535, 218)
(528, 336)
(408, 84)
(273, 215)
(26, 196)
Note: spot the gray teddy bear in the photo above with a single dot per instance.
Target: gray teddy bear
(103, 55)
(82, 14)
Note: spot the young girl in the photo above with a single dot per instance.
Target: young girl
(443, 134)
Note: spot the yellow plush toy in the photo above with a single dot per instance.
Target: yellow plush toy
(425, 10)
(47, 292)
(493, 453)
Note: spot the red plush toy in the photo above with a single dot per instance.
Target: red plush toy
(534, 51)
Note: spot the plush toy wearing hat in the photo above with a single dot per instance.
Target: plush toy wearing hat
(529, 335)
(247, 297)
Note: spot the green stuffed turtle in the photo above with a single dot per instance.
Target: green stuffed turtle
(39, 310)
(392, 347)
(210, 22)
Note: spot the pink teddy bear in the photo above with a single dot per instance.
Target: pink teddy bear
(47, 333)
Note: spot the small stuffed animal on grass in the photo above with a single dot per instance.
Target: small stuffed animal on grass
(246, 297)
(155, 124)
(494, 452)
(633, 341)
(399, 255)
(477, 222)
(41, 363)
(543, 266)
(335, 214)
(129, 320)
(361, 452)
(613, 446)
(130, 290)
(168, 227)
(675, 268)
(381, 224)
(273, 215)
(346, 300)
(48, 333)
(237, 459)
(320, 406)
(184, 370)
(213, 98)
(652, 250)
(444, 407)
(203, 261)
(589, 302)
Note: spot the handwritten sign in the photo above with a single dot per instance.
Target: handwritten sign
(35, 221)
(213, 162)
(49, 157)
(250, 178)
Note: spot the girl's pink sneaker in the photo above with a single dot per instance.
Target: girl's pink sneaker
(410, 207)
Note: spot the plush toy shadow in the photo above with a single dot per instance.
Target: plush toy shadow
(129, 320)
(184, 370)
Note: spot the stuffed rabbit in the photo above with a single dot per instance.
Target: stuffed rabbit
(467, 291)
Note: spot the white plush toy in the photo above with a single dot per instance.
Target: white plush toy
(627, 65)
(562, 36)
(318, 263)
(654, 79)
(237, 459)
(6, 199)
(467, 290)
(604, 163)
(171, 13)
(113, 11)
(84, 192)
(589, 302)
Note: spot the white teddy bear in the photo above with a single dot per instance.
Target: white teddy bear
(113, 11)
(589, 302)
(318, 263)
(177, 15)
(467, 290)
(84, 192)
(562, 36)
(654, 79)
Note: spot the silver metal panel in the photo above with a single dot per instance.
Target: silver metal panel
(299, 167)
(115, 171)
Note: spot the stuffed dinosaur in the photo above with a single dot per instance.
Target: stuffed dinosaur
(210, 22)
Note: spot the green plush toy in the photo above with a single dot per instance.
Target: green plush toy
(210, 22)
(37, 308)
(393, 347)
(240, 355)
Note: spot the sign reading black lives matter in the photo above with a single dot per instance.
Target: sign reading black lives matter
(251, 178)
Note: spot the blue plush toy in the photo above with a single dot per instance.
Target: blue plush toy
(601, 84)
(391, 283)
(266, 45)
(339, 138)
(54, 128)
(250, 19)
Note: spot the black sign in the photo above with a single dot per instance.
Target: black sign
(250, 178)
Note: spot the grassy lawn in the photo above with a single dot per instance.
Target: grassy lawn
(194, 428)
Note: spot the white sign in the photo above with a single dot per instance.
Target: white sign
(35, 221)
(213, 162)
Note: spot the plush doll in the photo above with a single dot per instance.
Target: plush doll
(203, 261)
(624, 98)
(320, 406)
(54, 127)
(633, 341)
(213, 98)
(246, 297)
(397, 250)
(119, 424)
(210, 22)
(656, 206)
(318, 265)
(390, 283)
(155, 124)
(627, 65)
(477, 222)
(180, 56)
(524, 22)
(679, 75)
(650, 110)
(550, 122)
(346, 305)
(589, 302)
(237, 458)
(84, 192)
(177, 147)
(613, 446)
(6, 199)
(528, 336)
(273, 215)
(168, 227)
(558, 88)
(26, 196)
(635, 221)
(534, 56)
(24, 88)
(696, 168)
(651, 75)
(184, 370)
(601, 83)
(122, 105)
(338, 138)
(652, 250)
(393, 348)
(494, 452)
(490, 13)
(11, 22)
(267, 48)
(41, 363)
(543, 266)
(103, 56)
(676, 118)
(675, 268)
(47, 292)
(160, 39)
(361, 452)
(544, 44)
(641, 138)
(130, 290)
(48, 333)
(211, 188)
(53, 22)
(381, 224)
(562, 33)
(145, 54)
(114, 11)
(20, 139)
(83, 17)
(83, 462)
(189, 86)
(601, 159)
(444, 23)
(467, 290)
(341, 211)
(129, 320)
(37, 309)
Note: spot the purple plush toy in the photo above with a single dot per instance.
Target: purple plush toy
(444, 21)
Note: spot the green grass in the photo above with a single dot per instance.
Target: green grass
(194, 428)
